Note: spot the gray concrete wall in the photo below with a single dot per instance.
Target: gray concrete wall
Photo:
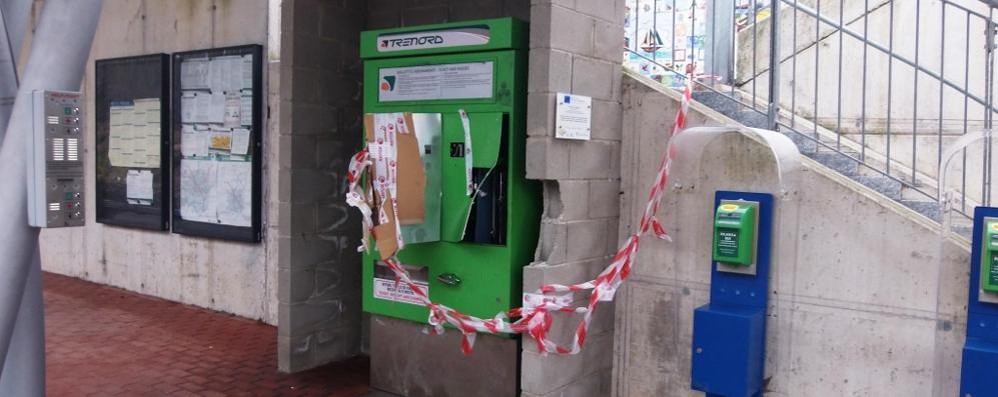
(853, 303)
(320, 129)
(575, 47)
(229, 277)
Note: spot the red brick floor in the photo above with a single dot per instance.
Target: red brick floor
(103, 341)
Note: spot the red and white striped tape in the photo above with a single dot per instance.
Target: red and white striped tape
(536, 316)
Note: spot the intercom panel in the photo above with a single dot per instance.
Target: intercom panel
(56, 196)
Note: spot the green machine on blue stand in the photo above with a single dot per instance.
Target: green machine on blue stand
(471, 249)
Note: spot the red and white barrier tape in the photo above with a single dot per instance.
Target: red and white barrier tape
(536, 315)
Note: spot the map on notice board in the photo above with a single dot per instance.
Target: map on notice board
(216, 166)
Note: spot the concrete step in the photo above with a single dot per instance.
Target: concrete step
(930, 209)
(964, 230)
(886, 186)
(719, 102)
(752, 119)
(836, 161)
(804, 144)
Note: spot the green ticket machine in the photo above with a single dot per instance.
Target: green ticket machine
(469, 219)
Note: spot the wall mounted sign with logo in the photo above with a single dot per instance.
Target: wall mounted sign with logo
(217, 143)
(132, 141)
(433, 39)
(573, 117)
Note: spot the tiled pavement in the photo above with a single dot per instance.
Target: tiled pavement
(103, 341)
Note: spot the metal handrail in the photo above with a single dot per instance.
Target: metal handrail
(844, 29)
(907, 171)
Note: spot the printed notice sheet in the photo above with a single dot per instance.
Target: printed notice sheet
(135, 135)
(573, 117)
(138, 187)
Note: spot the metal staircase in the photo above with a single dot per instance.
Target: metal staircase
(840, 61)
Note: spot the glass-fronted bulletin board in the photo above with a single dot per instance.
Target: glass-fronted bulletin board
(132, 141)
(217, 143)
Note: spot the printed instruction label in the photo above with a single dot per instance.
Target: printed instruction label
(573, 117)
(727, 243)
(434, 82)
(386, 288)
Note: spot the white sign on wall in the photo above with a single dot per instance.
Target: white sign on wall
(573, 117)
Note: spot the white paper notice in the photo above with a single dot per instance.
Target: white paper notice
(216, 80)
(216, 109)
(240, 141)
(197, 190)
(247, 72)
(202, 107)
(431, 82)
(194, 74)
(246, 108)
(235, 199)
(234, 75)
(194, 142)
(138, 187)
(233, 106)
(187, 106)
(573, 117)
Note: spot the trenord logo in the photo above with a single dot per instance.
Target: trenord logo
(433, 39)
(412, 41)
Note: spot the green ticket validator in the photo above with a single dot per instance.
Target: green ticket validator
(989, 258)
(734, 233)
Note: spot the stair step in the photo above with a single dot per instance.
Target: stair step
(752, 119)
(804, 145)
(886, 186)
(722, 103)
(930, 209)
(837, 161)
(963, 230)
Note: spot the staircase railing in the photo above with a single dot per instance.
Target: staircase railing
(883, 83)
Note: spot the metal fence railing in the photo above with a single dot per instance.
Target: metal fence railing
(887, 84)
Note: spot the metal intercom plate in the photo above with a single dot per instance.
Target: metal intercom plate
(55, 169)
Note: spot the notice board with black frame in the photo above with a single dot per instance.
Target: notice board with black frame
(132, 142)
(217, 146)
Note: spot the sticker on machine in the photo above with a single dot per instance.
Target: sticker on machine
(386, 288)
(435, 82)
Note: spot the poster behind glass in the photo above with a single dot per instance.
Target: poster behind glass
(131, 119)
(217, 146)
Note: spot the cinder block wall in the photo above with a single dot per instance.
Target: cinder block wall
(320, 129)
(398, 13)
(576, 47)
(230, 277)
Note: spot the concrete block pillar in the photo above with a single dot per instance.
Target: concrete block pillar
(319, 314)
(576, 46)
